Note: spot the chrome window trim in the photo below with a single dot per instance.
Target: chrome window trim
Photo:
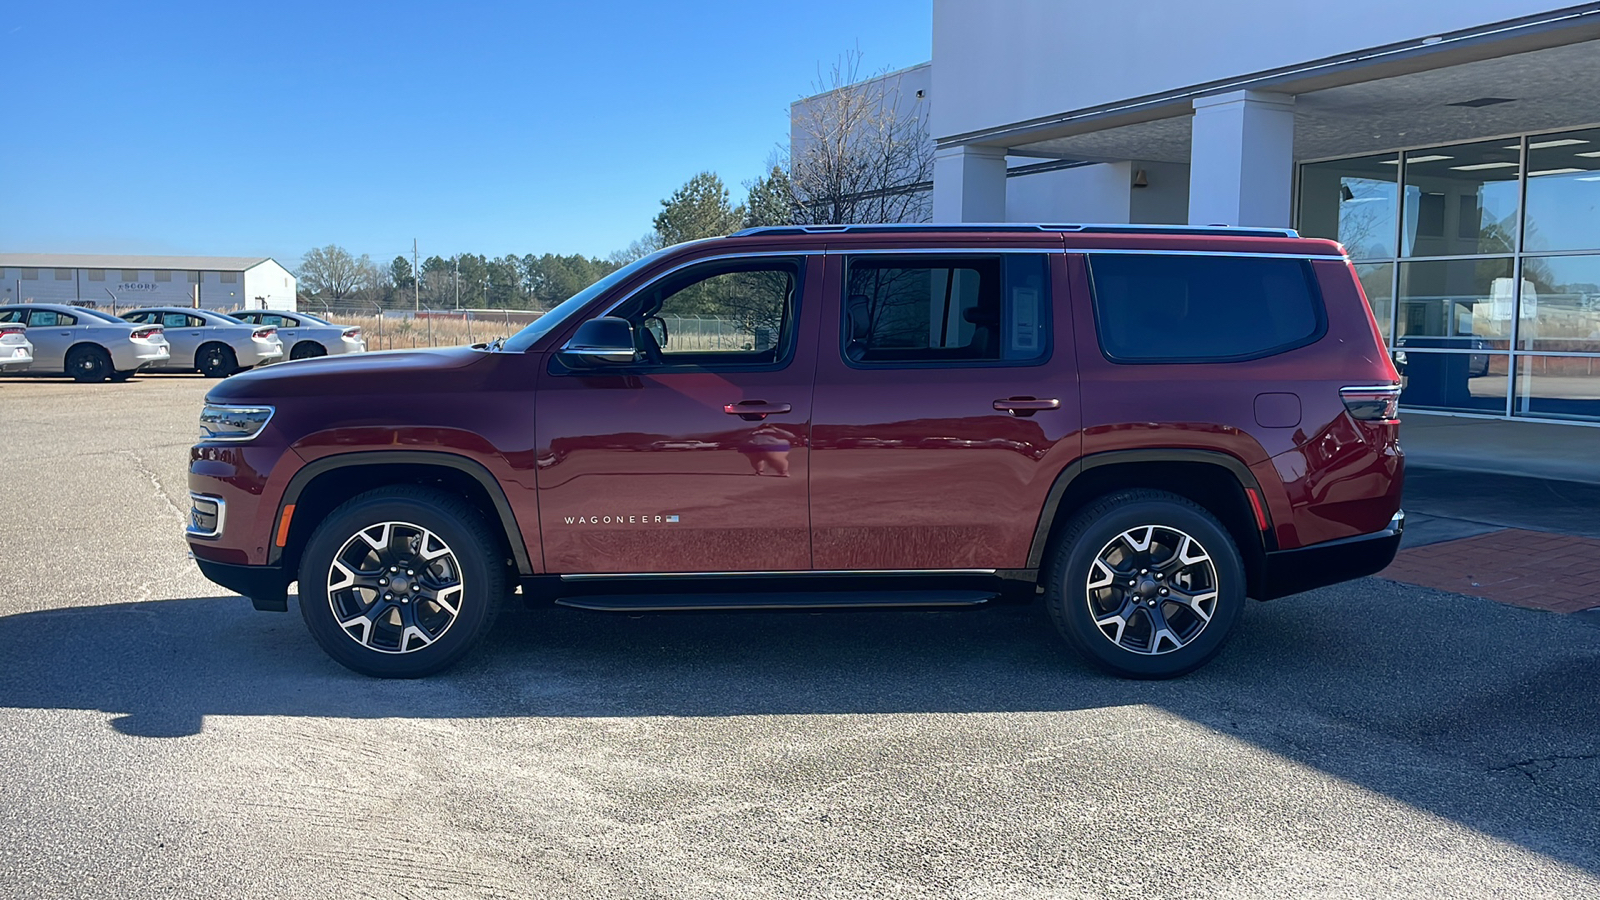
(818, 251)
(222, 516)
(783, 572)
(1238, 253)
(1021, 227)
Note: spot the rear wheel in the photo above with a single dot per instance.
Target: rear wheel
(307, 350)
(401, 582)
(89, 364)
(1146, 584)
(216, 361)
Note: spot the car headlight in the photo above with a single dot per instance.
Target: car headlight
(232, 423)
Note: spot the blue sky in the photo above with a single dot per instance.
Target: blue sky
(237, 129)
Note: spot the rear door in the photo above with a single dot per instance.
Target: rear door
(185, 333)
(946, 403)
(52, 333)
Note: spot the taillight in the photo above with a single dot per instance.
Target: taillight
(1379, 403)
(145, 334)
(352, 333)
(12, 329)
(264, 332)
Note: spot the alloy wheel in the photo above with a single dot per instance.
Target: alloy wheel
(1152, 589)
(395, 587)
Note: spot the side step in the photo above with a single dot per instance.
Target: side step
(776, 600)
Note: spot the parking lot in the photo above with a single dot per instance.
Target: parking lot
(164, 740)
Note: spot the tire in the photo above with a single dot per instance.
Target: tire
(308, 350)
(88, 365)
(216, 361)
(1137, 628)
(385, 634)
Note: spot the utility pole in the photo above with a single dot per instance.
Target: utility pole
(416, 280)
(457, 280)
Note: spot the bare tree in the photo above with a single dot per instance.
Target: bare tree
(332, 273)
(859, 150)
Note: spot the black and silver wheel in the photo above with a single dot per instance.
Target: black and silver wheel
(216, 361)
(1146, 584)
(307, 350)
(401, 582)
(89, 364)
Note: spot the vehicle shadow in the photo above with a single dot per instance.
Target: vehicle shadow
(1476, 712)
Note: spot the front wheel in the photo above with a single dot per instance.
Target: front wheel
(1146, 584)
(401, 582)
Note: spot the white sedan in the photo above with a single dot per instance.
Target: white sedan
(211, 343)
(87, 344)
(306, 335)
(16, 352)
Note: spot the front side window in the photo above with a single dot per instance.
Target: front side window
(720, 313)
(946, 310)
(1175, 308)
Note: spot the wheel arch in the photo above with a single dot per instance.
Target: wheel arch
(321, 485)
(1216, 481)
(309, 342)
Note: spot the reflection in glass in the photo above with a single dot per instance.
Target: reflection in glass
(1455, 303)
(1560, 304)
(1459, 382)
(1377, 282)
(1352, 201)
(1558, 387)
(1461, 200)
(1563, 191)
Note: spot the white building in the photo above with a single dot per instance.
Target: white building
(1454, 148)
(122, 282)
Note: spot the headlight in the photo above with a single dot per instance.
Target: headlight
(232, 423)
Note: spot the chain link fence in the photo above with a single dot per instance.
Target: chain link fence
(392, 329)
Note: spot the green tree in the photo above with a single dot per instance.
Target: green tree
(770, 201)
(400, 273)
(699, 209)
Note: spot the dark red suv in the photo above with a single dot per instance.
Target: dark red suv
(1146, 425)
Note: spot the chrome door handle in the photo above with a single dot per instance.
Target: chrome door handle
(1025, 406)
(755, 410)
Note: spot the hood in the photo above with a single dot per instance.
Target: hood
(395, 372)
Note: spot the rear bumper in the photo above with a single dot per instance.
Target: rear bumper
(1319, 565)
(266, 586)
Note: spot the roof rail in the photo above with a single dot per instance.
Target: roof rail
(1234, 230)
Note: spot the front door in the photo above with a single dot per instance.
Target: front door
(694, 458)
(946, 403)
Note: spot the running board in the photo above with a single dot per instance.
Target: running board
(790, 600)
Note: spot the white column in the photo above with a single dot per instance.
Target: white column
(1241, 162)
(969, 184)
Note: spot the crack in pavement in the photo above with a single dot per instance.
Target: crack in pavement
(145, 469)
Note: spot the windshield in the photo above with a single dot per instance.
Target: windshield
(97, 314)
(564, 310)
(313, 318)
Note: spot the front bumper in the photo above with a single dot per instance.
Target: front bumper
(266, 586)
(1319, 565)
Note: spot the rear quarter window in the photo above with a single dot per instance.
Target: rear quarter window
(1175, 308)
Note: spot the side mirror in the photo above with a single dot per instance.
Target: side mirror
(602, 341)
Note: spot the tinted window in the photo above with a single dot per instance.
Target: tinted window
(49, 318)
(922, 309)
(13, 315)
(140, 318)
(1198, 308)
(734, 313)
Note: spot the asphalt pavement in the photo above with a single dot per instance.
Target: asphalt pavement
(162, 739)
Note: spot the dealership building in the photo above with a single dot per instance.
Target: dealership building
(1454, 149)
(122, 282)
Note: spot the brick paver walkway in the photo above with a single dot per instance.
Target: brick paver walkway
(1554, 572)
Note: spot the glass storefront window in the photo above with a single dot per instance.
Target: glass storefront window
(1377, 282)
(1461, 200)
(1560, 303)
(1455, 303)
(1558, 387)
(1563, 192)
(1352, 201)
(1453, 382)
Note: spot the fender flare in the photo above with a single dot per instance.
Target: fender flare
(469, 467)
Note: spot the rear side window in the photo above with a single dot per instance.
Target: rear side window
(980, 310)
(1175, 308)
(49, 318)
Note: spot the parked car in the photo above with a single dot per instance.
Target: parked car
(211, 343)
(87, 344)
(305, 335)
(16, 352)
(1142, 426)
